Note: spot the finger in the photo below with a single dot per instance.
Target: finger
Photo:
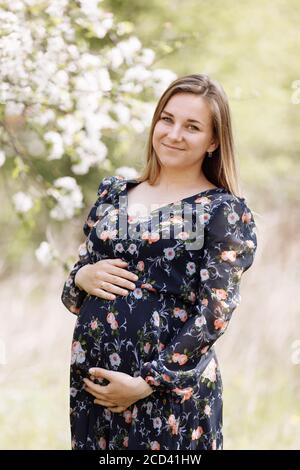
(119, 281)
(105, 403)
(122, 273)
(96, 388)
(117, 262)
(108, 374)
(111, 288)
(103, 294)
(117, 409)
(108, 287)
(97, 395)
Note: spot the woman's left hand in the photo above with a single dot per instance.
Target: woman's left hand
(122, 391)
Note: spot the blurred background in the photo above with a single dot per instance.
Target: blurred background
(79, 83)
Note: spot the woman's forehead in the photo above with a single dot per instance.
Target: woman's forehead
(189, 106)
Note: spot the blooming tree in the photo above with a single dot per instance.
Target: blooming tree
(70, 78)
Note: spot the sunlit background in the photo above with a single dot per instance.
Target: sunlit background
(79, 81)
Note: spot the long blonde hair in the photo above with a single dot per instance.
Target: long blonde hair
(221, 168)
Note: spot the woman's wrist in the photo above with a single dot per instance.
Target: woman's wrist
(77, 278)
(143, 389)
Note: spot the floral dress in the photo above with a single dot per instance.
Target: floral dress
(165, 329)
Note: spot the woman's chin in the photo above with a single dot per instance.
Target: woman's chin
(171, 163)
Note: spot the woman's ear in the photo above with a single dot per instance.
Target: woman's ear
(213, 146)
(216, 143)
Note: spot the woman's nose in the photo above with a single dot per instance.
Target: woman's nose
(175, 133)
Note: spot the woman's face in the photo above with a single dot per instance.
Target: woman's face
(186, 125)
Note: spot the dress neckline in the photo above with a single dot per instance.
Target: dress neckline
(132, 181)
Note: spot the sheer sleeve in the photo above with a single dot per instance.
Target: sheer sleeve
(229, 247)
(72, 296)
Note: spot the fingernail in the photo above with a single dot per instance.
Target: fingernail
(92, 371)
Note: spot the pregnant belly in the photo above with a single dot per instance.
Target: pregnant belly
(121, 334)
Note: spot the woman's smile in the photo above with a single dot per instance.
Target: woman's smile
(172, 148)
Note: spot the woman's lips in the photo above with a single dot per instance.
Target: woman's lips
(172, 148)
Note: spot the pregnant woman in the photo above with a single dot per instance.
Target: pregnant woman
(150, 303)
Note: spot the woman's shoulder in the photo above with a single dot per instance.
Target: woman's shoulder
(108, 183)
(230, 230)
(229, 211)
(215, 199)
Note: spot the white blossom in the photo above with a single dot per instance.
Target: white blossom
(45, 117)
(115, 57)
(162, 78)
(56, 8)
(44, 253)
(123, 113)
(81, 168)
(147, 56)
(56, 141)
(68, 198)
(138, 73)
(91, 152)
(14, 109)
(67, 93)
(137, 125)
(22, 202)
(129, 47)
(127, 172)
(70, 125)
(66, 182)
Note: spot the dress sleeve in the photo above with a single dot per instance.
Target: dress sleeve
(72, 296)
(229, 247)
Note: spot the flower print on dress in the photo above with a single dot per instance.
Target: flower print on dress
(165, 329)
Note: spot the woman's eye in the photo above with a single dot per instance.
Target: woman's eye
(164, 118)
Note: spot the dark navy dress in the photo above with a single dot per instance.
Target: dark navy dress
(165, 329)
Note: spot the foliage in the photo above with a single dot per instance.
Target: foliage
(73, 82)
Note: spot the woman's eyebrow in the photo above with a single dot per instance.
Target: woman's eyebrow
(189, 120)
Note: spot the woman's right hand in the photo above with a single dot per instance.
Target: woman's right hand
(103, 278)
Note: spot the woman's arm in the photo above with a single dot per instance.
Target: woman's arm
(229, 249)
(72, 295)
